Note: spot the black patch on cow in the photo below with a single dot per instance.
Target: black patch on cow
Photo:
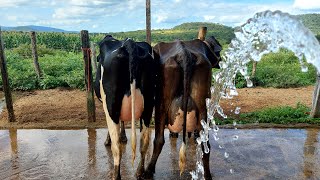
(124, 61)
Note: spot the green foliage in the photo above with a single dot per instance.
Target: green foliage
(318, 37)
(276, 115)
(21, 72)
(311, 21)
(25, 51)
(62, 71)
(71, 41)
(59, 70)
(280, 115)
(279, 70)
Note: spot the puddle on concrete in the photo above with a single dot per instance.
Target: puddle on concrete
(80, 154)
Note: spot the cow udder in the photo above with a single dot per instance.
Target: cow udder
(125, 114)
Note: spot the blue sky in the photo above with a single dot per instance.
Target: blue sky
(128, 15)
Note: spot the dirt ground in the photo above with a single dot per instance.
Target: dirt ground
(64, 108)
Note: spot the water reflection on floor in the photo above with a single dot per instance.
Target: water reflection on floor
(80, 154)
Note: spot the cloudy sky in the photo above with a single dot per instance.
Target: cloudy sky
(127, 15)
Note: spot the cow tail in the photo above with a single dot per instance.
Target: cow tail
(133, 125)
(187, 68)
(132, 50)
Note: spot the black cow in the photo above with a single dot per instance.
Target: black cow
(184, 84)
(125, 83)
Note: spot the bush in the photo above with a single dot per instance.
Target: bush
(276, 115)
(279, 70)
(24, 50)
(59, 70)
(62, 71)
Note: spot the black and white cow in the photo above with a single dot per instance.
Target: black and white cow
(184, 84)
(125, 83)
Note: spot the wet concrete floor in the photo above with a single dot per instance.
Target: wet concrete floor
(80, 154)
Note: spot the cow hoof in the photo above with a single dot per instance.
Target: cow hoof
(196, 135)
(107, 142)
(208, 177)
(147, 175)
(140, 174)
(174, 135)
(123, 139)
(189, 134)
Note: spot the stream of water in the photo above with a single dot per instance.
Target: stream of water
(264, 33)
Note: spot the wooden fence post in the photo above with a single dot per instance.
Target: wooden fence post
(91, 109)
(5, 82)
(202, 33)
(315, 109)
(94, 56)
(148, 22)
(35, 53)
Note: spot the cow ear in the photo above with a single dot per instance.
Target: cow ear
(155, 54)
(217, 48)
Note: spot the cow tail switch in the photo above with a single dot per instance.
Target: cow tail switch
(182, 158)
(133, 127)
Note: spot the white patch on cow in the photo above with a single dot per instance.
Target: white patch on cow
(113, 128)
(177, 126)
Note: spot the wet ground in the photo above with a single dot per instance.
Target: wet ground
(80, 154)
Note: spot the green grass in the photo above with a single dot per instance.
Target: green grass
(276, 115)
(61, 69)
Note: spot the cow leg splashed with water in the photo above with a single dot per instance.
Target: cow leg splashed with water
(184, 82)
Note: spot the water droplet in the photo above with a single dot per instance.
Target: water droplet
(235, 137)
(220, 147)
(216, 128)
(233, 92)
(237, 110)
(249, 82)
(304, 68)
(226, 155)
(216, 138)
(231, 171)
(212, 89)
(205, 147)
(208, 102)
(234, 123)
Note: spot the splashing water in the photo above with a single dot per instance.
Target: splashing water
(264, 33)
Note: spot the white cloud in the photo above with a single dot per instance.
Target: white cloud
(12, 18)
(117, 15)
(307, 4)
(161, 17)
(12, 3)
(209, 17)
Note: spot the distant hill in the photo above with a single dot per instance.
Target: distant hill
(185, 31)
(311, 21)
(32, 28)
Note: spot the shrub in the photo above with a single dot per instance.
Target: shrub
(279, 70)
(59, 70)
(24, 50)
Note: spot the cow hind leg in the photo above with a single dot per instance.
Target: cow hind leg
(205, 160)
(108, 140)
(144, 144)
(123, 137)
(114, 130)
(158, 143)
